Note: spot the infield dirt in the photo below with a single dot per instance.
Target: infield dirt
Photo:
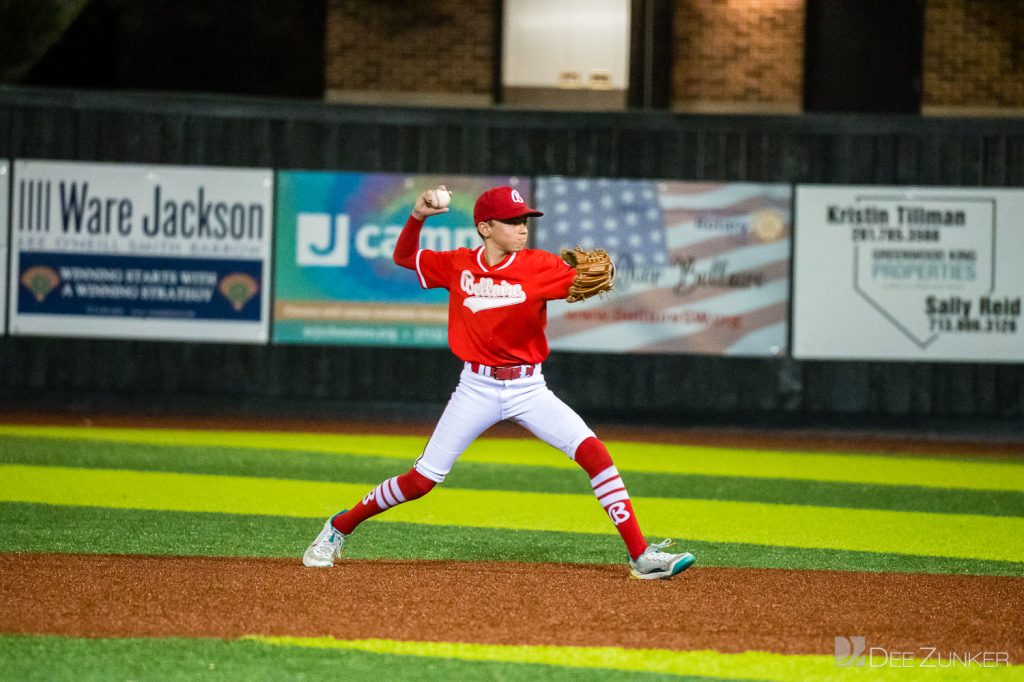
(724, 609)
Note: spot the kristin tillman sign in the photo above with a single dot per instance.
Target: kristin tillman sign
(130, 251)
(909, 273)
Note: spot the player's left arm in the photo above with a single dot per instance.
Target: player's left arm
(554, 277)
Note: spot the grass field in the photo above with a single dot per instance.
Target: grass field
(90, 491)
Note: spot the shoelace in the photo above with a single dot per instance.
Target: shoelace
(667, 542)
(654, 549)
(326, 547)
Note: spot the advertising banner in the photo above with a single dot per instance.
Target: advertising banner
(335, 280)
(701, 267)
(5, 178)
(909, 273)
(149, 252)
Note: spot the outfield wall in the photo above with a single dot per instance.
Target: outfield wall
(204, 131)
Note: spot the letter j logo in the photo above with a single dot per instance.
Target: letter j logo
(321, 239)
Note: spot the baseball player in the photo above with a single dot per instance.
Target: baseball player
(497, 315)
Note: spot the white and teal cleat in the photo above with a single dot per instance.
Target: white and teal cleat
(326, 547)
(655, 564)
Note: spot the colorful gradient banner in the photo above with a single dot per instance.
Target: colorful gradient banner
(336, 282)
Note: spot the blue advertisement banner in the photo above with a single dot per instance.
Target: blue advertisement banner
(139, 287)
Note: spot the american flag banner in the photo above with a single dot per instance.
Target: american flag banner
(701, 267)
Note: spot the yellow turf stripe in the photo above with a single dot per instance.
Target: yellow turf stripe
(650, 457)
(759, 665)
(952, 535)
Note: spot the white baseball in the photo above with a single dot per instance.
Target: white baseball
(442, 198)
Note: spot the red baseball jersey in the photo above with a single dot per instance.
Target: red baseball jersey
(496, 313)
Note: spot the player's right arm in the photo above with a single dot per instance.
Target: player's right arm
(409, 240)
(433, 268)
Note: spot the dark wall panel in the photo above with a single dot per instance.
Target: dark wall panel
(871, 149)
(864, 55)
(256, 47)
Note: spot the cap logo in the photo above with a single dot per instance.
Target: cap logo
(517, 197)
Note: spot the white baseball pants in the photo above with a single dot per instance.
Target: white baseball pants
(481, 401)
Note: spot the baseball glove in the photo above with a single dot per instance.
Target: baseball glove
(595, 273)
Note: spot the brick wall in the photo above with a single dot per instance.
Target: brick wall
(725, 51)
(441, 46)
(738, 51)
(974, 53)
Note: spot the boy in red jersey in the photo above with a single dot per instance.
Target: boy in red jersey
(497, 314)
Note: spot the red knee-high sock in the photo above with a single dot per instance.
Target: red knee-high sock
(409, 486)
(593, 456)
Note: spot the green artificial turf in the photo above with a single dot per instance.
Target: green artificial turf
(969, 536)
(481, 476)
(24, 657)
(33, 527)
(46, 528)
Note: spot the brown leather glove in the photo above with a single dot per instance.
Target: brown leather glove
(595, 273)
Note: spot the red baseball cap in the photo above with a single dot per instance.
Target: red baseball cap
(502, 203)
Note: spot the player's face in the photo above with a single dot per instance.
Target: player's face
(509, 235)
